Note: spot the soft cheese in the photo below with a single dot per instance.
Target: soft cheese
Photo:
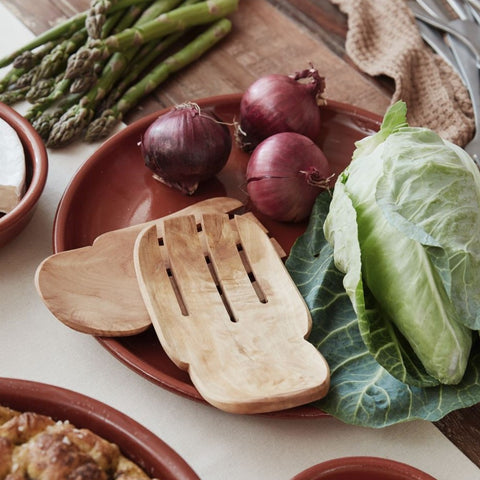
(12, 168)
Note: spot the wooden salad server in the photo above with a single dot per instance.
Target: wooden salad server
(94, 289)
(233, 318)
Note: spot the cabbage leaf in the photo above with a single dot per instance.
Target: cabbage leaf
(362, 392)
(404, 223)
(430, 191)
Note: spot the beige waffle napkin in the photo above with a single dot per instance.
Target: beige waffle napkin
(383, 39)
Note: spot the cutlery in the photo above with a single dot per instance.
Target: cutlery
(435, 39)
(464, 30)
(469, 67)
(465, 61)
(234, 318)
(465, 10)
(475, 4)
(469, 70)
(474, 12)
(433, 36)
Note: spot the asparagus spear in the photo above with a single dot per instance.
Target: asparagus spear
(147, 56)
(40, 89)
(30, 58)
(59, 56)
(110, 23)
(24, 63)
(96, 17)
(11, 77)
(102, 126)
(175, 20)
(42, 104)
(56, 60)
(157, 8)
(66, 28)
(82, 63)
(44, 123)
(13, 96)
(126, 20)
(25, 80)
(85, 76)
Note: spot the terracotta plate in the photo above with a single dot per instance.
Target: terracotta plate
(36, 159)
(362, 468)
(136, 442)
(113, 189)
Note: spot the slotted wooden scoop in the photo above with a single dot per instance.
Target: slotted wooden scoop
(94, 289)
(233, 318)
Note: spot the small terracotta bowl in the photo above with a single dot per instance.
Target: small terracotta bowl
(36, 158)
(135, 441)
(362, 468)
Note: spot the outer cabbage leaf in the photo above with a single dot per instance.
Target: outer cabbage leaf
(362, 392)
(430, 191)
(408, 282)
(395, 118)
(378, 332)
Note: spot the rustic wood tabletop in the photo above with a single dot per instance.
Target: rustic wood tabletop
(269, 36)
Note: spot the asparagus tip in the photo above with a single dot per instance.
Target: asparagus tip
(83, 61)
(69, 126)
(96, 17)
(102, 126)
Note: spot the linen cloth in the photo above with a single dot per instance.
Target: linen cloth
(383, 39)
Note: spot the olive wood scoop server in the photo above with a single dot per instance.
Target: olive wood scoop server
(232, 317)
(94, 289)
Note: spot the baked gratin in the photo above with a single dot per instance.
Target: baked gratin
(36, 447)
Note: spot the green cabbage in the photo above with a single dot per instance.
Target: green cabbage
(394, 292)
(404, 222)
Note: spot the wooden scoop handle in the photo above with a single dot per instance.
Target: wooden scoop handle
(243, 345)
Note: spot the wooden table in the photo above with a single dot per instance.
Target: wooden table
(274, 36)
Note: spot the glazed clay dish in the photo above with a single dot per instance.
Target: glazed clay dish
(12, 223)
(136, 443)
(362, 468)
(106, 195)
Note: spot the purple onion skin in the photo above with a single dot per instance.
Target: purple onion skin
(285, 174)
(279, 103)
(185, 147)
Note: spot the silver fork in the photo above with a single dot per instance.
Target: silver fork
(466, 10)
(464, 30)
(469, 67)
(465, 59)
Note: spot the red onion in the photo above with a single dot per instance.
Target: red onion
(285, 174)
(280, 103)
(185, 147)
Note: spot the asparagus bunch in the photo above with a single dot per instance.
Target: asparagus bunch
(77, 117)
(84, 74)
(97, 16)
(175, 20)
(102, 126)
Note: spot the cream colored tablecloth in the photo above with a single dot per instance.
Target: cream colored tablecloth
(35, 346)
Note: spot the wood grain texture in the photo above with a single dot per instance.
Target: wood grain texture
(318, 31)
(245, 352)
